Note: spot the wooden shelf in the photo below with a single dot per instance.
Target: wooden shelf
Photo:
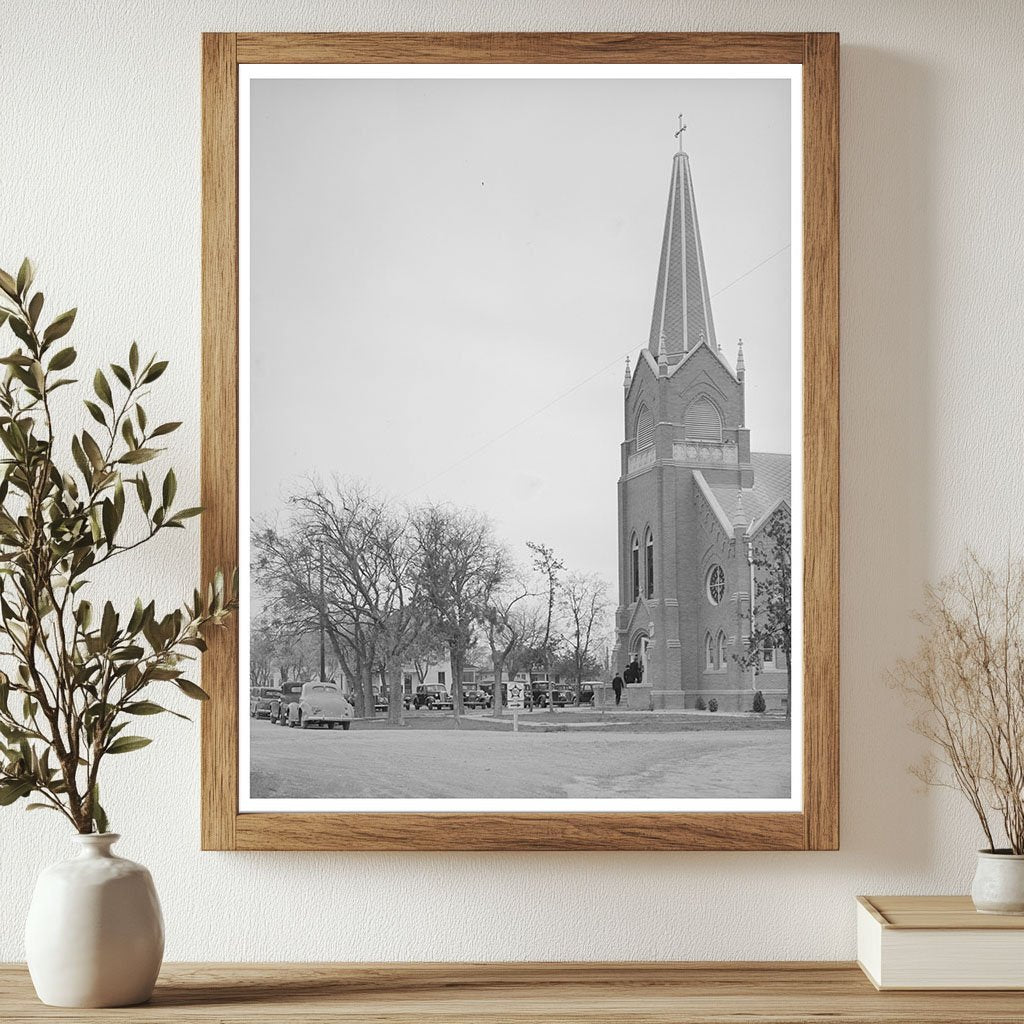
(665, 993)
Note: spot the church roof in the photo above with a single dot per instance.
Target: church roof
(682, 304)
(754, 504)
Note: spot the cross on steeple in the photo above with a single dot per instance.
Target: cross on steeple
(679, 134)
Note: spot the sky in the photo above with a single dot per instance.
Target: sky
(446, 277)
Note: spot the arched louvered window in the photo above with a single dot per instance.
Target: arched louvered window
(634, 569)
(709, 654)
(722, 663)
(702, 422)
(644, 429)
(649, 563)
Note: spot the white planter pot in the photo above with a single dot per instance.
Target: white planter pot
(95, 934)
(999, 883)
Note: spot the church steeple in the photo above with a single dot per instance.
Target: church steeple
(682, 304)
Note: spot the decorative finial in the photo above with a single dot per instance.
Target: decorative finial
(679, 134)
(628, 378)
(740, 516)
(662, 354)
(740, 367)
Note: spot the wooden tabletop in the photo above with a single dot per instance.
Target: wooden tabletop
(665, 993)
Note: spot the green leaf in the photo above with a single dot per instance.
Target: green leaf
(121, 374)
(60, 326)
(166, 428)
(99, 383)
(92, 449)
(186, 513)
(128, 433)
(26, 274)
(155, 371)
(41, 807)
(133, 358)
(96, 412)
(145, 497)
(99, 816)
(35, 308)
(63, 359)
(8, 284)
(126, 744)
(20, 329)
(191, 690)
(15, 790)
(170, 488)
(139, 455)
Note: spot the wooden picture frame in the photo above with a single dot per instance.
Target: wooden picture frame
(816, 827)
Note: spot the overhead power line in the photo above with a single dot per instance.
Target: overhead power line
(565, 394)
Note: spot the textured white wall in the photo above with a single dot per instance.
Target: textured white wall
(99, 181)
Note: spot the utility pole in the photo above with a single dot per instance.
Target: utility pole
(323, 652)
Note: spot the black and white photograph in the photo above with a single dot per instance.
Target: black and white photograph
(520, 439)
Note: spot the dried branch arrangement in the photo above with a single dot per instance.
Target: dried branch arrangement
(966, 681)
(79, 669)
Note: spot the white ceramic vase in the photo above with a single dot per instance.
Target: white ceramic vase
(95, 934)
(999, 883)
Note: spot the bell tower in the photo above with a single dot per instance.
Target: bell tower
(683, 433)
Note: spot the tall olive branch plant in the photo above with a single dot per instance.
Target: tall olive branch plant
(78, 673)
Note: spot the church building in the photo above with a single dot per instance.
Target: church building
(694, 498)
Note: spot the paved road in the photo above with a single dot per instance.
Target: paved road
(423, 764)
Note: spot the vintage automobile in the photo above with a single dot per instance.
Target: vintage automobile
(586, 694)
(288, 694)
(260, 698)
(475, 697)
(432, 697)
(564, 697)
(320, 703)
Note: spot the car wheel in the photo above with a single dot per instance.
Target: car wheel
(330, 725)
(346, 726)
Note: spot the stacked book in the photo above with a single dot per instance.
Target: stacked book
(938, 942)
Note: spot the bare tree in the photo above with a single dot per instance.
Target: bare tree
(511, 628)
(462, 566)
(548, 568)
(372, 555)
(286, 565)
(584, 601)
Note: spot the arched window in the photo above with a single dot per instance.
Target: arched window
(634, 568)
(649, 563)
(709, 654)
(722, 656)
(644, 429)
(702, 422)
(716, 584)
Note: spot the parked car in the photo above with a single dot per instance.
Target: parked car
(260, 698)
(432, 697)
(320, 703)
(288, 693)
(586, 694)
(475, 697)
(563, 697)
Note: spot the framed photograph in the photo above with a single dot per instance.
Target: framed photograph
(520, 421)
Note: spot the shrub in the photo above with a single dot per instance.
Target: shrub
(712, 704)
(759, 704)
(700, 704)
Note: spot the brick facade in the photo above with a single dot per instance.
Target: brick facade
(692, 496)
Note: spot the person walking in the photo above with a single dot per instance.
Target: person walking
(617, 687)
